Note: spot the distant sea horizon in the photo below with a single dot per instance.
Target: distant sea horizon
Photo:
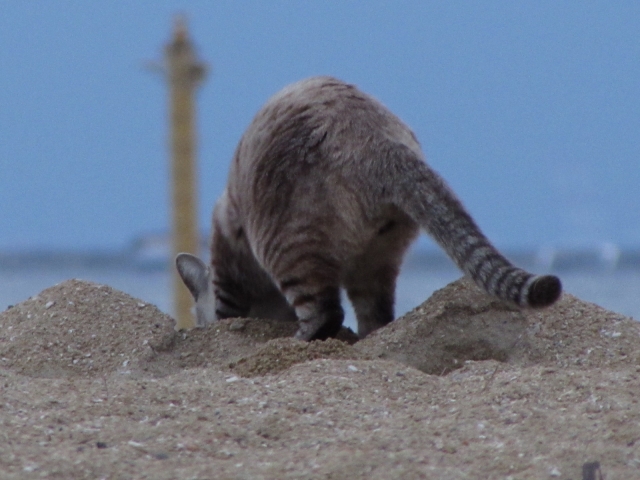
(153, 252)
(607, 276)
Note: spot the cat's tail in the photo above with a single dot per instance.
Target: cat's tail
(426, 198)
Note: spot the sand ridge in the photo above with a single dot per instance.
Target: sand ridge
(97, 384)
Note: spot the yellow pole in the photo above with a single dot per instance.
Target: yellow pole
(184, 73)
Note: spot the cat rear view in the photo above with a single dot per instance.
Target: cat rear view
(326, 191)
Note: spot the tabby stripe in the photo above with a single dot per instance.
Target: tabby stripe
(300, 238)
(497, 271)
(470, 251)
(291, 282)
(314, 258)
(502, 283)
(228, 302)
(302, 299)
(479, 258)
(488, 268)
(515, 290)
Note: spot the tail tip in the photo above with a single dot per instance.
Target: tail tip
(544, 291)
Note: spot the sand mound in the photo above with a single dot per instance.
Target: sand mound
(78, 328)
(460, 323)
(85, 329)
(96, 384)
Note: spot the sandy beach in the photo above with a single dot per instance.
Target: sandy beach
(97, 384)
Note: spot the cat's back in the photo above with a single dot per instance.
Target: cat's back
(315, 120)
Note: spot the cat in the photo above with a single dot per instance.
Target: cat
(327, 189)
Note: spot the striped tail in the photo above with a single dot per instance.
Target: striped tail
(425, 197)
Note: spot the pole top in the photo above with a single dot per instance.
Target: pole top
(183, 66)
(180, 33)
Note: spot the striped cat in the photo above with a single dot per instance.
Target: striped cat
(327, 189)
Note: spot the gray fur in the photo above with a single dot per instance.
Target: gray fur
(327, 190)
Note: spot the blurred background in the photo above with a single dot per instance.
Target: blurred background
(530, 110)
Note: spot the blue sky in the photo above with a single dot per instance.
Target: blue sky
(530, 110)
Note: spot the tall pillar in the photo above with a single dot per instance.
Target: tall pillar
(184, 74)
